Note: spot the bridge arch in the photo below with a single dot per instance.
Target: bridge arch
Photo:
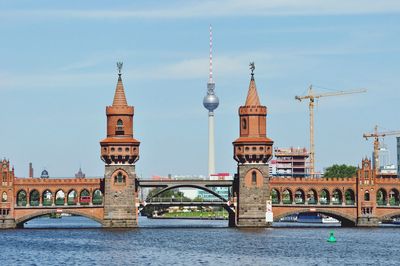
(324, 196)
(287, 196)
(34, 197)
(345, 219)
(21, 198)
(84, 197)
(275, 196)
(394, 197)
(204, 188)
(381, 196)
(389, 215)
(97, 197)
(72, 197)
(37, 213)
(299, 196)
(47, 197)
(349, 196)
(312, 196)
(60, 196)
(337, 196)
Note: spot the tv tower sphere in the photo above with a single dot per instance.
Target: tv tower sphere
(211, 100)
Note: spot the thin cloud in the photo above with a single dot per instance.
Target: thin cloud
(206, 9)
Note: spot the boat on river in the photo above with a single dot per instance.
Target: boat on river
(329, 220)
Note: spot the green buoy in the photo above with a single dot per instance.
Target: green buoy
(331, 238)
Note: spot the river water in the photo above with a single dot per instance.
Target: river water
(200, 242)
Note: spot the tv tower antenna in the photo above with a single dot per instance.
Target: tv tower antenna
(210, 80)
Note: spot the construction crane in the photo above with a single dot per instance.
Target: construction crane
(377, 135)
(312, 96)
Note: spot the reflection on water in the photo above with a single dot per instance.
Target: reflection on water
(162, 242)
(64, 222)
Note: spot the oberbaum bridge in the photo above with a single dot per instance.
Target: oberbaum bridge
(256, 199)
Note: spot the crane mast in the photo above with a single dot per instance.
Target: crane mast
(311, 97)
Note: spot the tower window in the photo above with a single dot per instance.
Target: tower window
(366, 195)
(4, 178)
(254, 178)
(244, 123)
(120, 178)
(4, 197)
(120, 128)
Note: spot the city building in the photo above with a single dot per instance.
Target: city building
(80, 174)
(272, 167)
(388, 169)
(211, 103)
(223, 191)
(44, 174)
(30, 170)
(291, 162)
(398, 156)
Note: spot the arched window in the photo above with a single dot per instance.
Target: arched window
(254, 178)
(4, 197)
(366, 195)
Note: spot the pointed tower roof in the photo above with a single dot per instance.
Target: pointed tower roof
(252, 95)
(119, 96)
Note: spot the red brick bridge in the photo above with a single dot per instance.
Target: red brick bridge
(363, 200)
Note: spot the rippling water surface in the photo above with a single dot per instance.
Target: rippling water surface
(163, 242)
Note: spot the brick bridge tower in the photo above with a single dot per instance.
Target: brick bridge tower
(120, 151)
(7, 195)
(366, 195)
(252, 150)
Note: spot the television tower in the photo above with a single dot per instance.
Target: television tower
(211, 103)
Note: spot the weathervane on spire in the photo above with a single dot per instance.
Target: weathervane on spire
(119, 66)
(252, 67)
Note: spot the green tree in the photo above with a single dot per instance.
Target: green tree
(171, 194)
(340, 171)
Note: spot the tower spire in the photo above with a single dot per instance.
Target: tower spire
(119, 97)
(252, 95)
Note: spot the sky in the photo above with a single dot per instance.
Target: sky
(58, 73)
